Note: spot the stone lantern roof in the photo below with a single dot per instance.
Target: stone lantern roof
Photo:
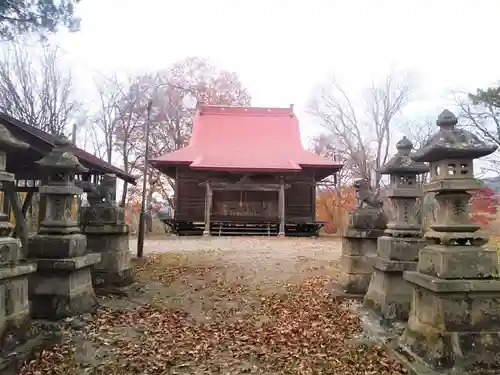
(8, 142)
(402, 162)
(451, 142)
(61, 159)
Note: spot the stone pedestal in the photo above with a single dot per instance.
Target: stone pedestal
(454, 323)
(108, 235)
(15, 318)
(389, 296)
(359, 248)
(62, 285)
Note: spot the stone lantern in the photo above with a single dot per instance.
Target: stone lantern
(454, 318)
(388, 295)
(14, 307)
(62, 285)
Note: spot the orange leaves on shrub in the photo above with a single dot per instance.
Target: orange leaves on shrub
(333, 209)
(483, 206)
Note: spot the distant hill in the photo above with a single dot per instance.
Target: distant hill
(493, 183)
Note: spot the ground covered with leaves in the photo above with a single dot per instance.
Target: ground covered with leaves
(216, 312)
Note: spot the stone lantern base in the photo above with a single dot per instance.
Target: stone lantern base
(112, 242)
(62, 285)
(359, 248)
(108, 235)
(17, 334)
(389, 296)
(15, 320)
(454, 322)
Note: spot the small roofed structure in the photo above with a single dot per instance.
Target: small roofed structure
(29, 175)
(245, 171)
(41, 143)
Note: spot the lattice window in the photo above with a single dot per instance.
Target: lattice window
(452, 169)
(437, 171)
(464, 168)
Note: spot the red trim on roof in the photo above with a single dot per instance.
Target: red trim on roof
(246, 139)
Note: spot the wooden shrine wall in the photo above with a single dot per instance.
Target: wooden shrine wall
(247, 205)
(237, 205)
(189, 196)
(299, 203)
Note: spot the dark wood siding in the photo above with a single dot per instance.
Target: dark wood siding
(190, 199)
(247, 205)
(251, 205)
(298, 203)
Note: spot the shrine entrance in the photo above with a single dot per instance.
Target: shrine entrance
(248, 206)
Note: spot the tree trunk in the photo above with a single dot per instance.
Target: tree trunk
(124, 194)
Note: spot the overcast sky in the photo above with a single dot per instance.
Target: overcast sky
(281, 49)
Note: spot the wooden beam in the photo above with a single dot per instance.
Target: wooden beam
(21, 228)
(246, 187)
(27, 202)
(313, 197)
(27, 189)
(281, 207)
(208, 208)
(176, 189)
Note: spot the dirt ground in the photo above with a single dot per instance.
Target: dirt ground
(220, 306)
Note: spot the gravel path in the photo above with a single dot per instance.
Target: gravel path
(327, 248)
(266, 260)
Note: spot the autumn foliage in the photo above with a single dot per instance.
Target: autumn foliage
(332, 208)
(483, 206)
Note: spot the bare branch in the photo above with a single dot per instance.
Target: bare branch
(362, 133)
(37, 90)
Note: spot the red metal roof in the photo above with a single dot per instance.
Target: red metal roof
(246, 139)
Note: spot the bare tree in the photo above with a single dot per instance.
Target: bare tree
(326, 145)
(117, 123)
(362, 131)
(480, 114)
(171, 118)
(128, 129)
(105, 121)
(37, 88)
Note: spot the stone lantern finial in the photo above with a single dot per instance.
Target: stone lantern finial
(404, 146)
(447, 120)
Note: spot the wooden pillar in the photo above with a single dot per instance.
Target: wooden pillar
(176, 193)
(10, 190)
(281, 207)
(208, 208)
(313, 197)
(6, 204)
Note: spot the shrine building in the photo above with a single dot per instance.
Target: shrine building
(245, 171)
